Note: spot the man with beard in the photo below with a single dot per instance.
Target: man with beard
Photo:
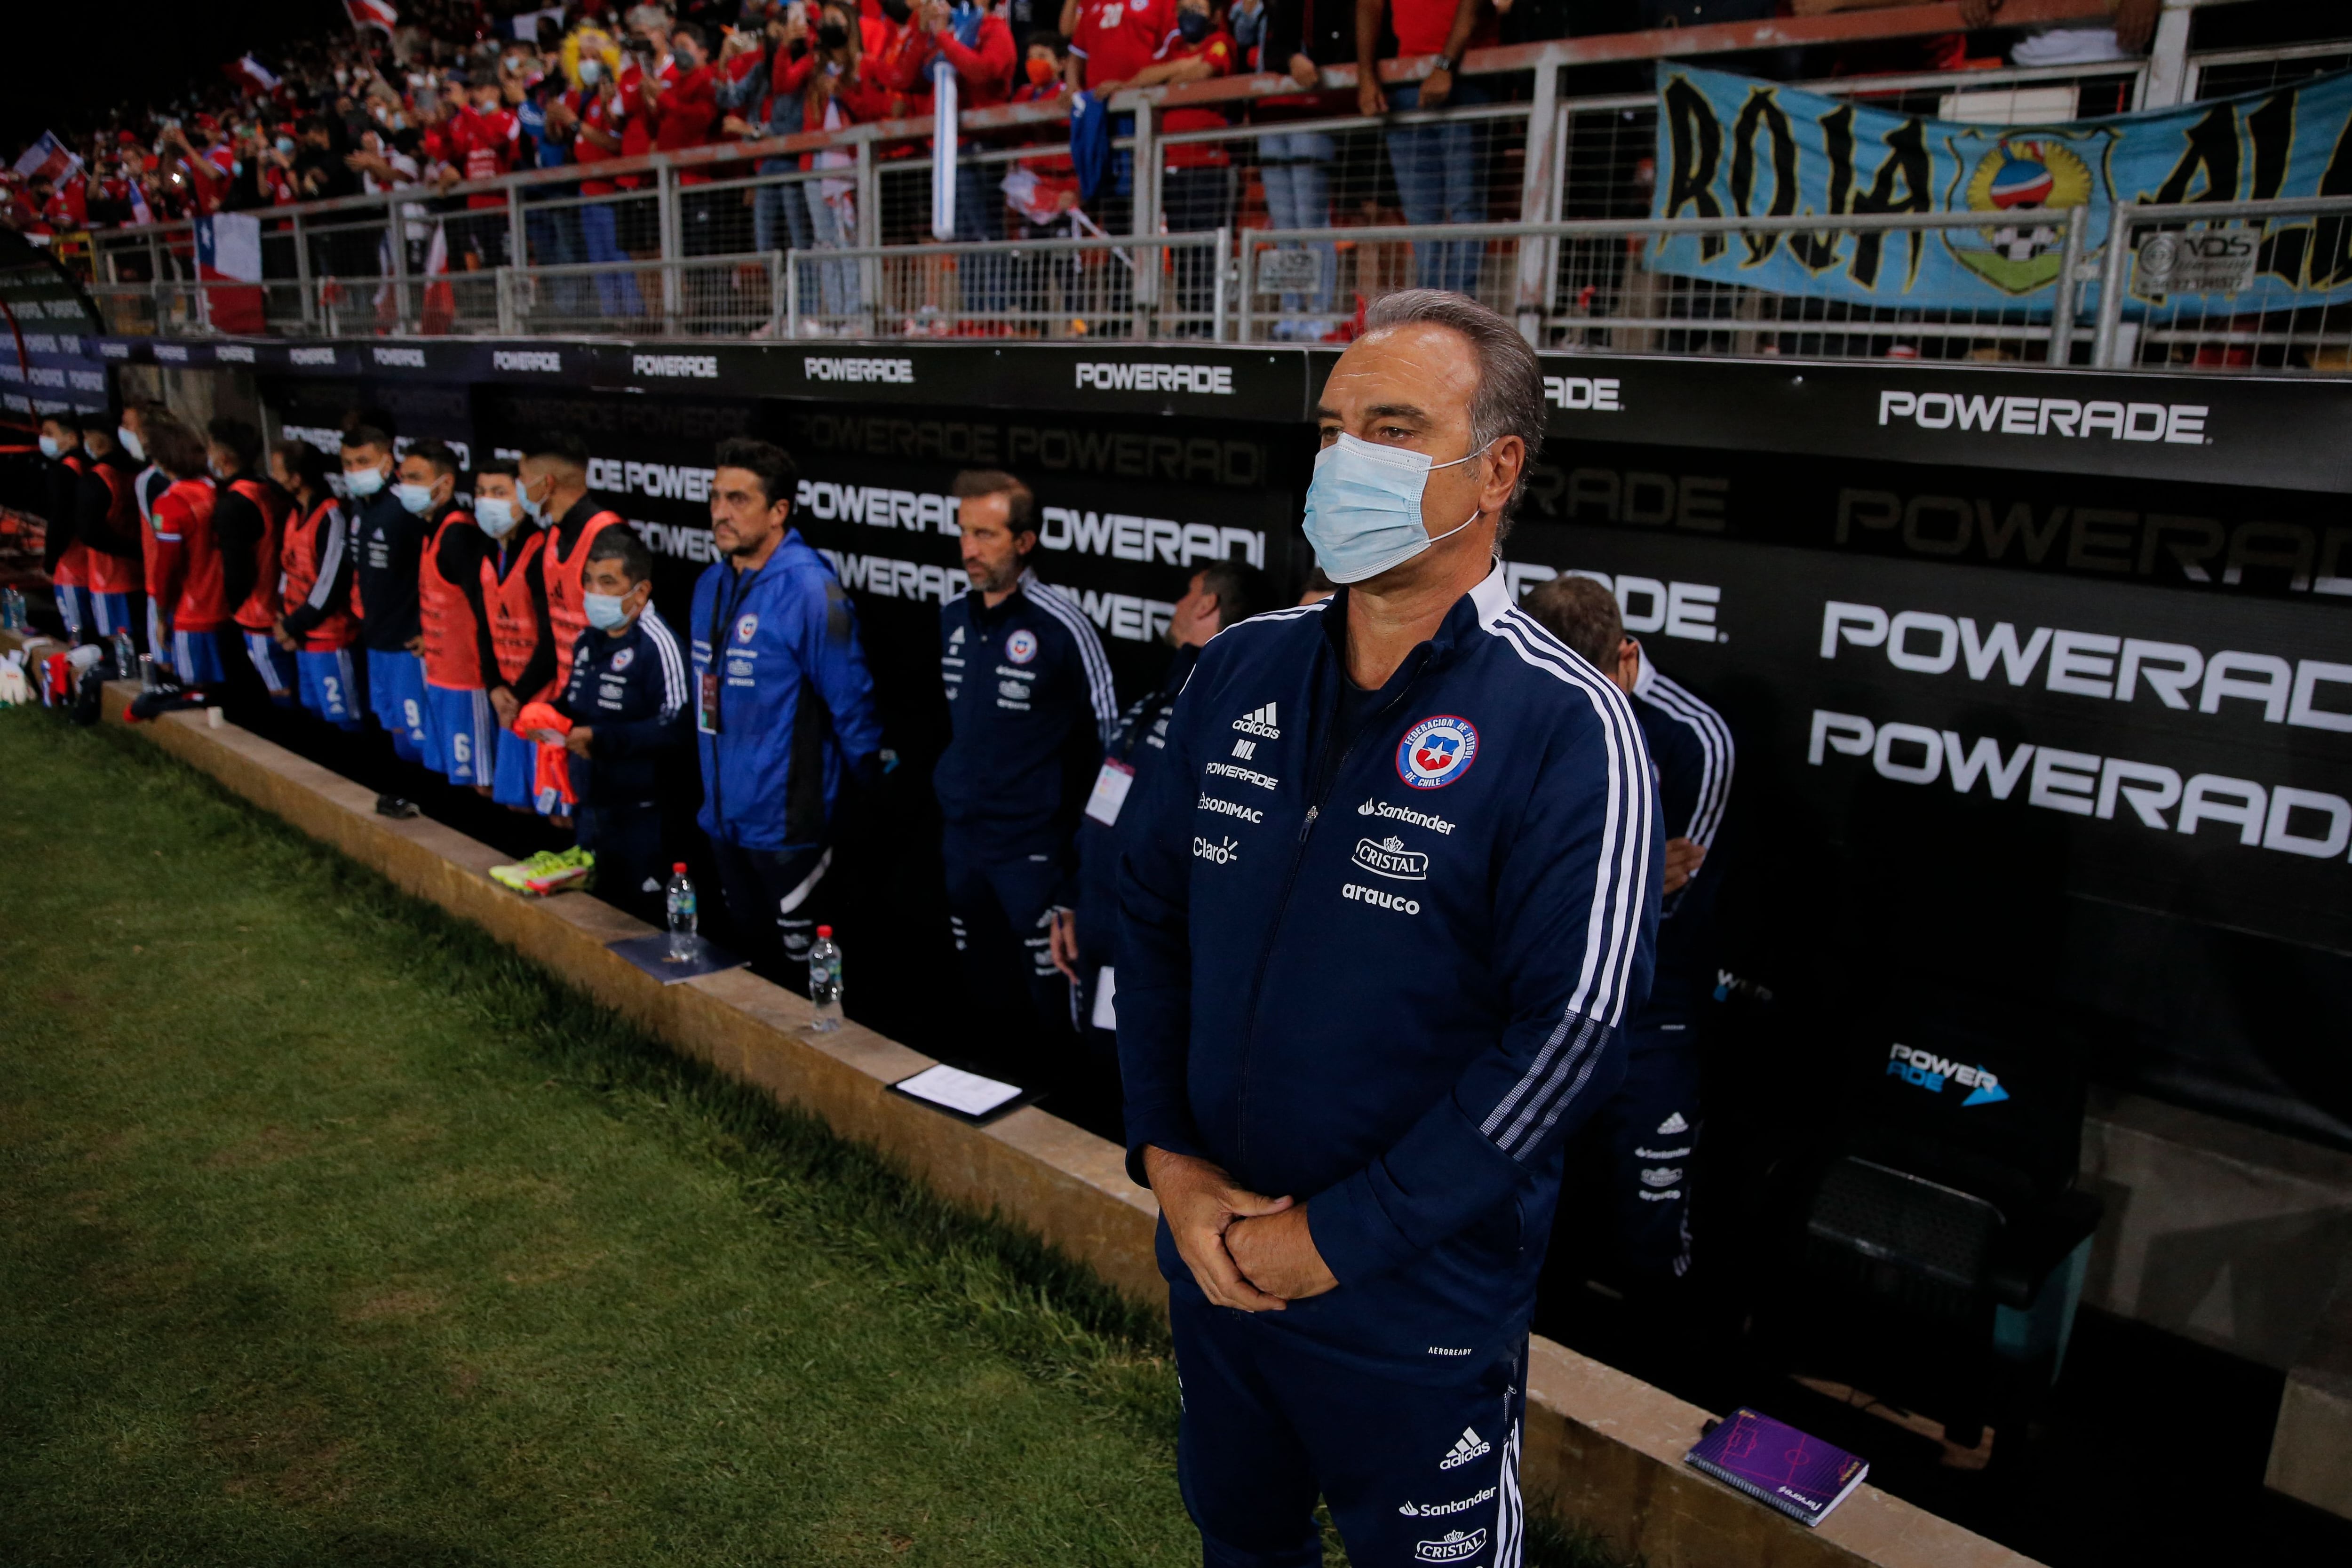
(784, 706)
(1030, 702)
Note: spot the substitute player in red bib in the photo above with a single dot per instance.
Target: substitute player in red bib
(554, 489)
(107, 524)
(514, 601)
(461, 742)
(317, 626)
(185, 572)
(249, 521)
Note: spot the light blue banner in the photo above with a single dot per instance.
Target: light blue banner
(1730, 145)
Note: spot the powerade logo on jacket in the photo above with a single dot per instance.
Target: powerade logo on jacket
(1931, 1072)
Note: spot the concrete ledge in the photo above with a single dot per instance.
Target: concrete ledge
(1602, 1449)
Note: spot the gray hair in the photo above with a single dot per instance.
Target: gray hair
(1511, 397)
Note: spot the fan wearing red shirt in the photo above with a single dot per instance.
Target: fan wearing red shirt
(1440, 169)
(483, 138)
(1196, 187)
(602, 113)
(1111, 40)
(683, 110)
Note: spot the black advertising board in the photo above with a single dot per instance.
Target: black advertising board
(2084, 721)
(2136, 800)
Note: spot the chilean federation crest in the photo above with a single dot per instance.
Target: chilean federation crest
(745, 628)
(1436, 751)
(1021, 646)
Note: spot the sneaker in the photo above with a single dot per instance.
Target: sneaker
(392, 805)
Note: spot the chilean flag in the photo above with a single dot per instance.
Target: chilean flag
(250, 70)
(228, 250)
(49, 159)
(366, 14)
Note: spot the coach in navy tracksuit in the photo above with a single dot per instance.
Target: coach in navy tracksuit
(784, 706)
(1030, 702)
(626, 698)
(1356, 1027)
(1645, 1139)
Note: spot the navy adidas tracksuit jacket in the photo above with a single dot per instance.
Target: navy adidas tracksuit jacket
(1691, 753)
(1389, 979)
(1030, 700)
(631, 690)
(783, 704)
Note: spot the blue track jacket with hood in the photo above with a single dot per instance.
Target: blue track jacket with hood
(1388, 977)
(783, 704)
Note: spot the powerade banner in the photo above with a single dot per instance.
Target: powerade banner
(2133, 800)
(1733, 146)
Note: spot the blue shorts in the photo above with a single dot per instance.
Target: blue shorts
(396, 697)
(111, 614)
(73, 608)
(272, 663)
(326, 685)
(159, 643)
(196, 655)
(518, 771)
(462, 734)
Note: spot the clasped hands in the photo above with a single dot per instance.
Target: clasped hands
(1246, 1251)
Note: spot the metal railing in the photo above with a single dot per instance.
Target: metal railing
(1542, 213)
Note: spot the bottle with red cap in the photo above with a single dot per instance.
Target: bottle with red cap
(824, 983)
(683, 943)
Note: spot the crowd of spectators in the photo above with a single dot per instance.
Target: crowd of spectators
(456, 93)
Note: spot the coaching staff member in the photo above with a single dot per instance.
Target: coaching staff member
(1031, 709)
(1356, 1025)
(1648, 1132)
(783, 704)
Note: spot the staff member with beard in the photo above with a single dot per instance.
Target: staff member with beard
(1218, 596)
(1356, 1030)
(1030, 702)
(783, 705)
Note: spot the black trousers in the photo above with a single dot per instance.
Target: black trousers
(776, 899)
(628, 842)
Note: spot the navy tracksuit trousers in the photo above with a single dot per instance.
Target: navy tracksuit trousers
(1420, 1468)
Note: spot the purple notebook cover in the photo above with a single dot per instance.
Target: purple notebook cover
(1801, 1476)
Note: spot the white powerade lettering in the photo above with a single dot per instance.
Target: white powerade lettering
(1596, 393)
(699, 367)
(1126, 538)
(2182, 424)
(2280, 818)
(827, 367)
(399, 359)
(544, 362)
(2314, 693)
(1647, 605)
(876, 506)
(1156, 376)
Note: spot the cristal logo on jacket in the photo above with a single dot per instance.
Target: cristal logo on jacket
(1436, 751)
(1389, 857)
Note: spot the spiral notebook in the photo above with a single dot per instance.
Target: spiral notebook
(1778, 1465)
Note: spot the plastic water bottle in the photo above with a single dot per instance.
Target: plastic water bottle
(824, 983)
(12, 609)
(683, 943)
(126, 655)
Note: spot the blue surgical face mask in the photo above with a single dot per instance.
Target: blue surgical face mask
(604, 610)
(361, 483)
(131, 443)
(51, 446)
(591, 72)
(416, 499)
(535, 509)
(286, 146)
(495, 515)
(1363, 509)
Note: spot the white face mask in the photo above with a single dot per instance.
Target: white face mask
(416, 499)
(1363, 508)
(122, 433)
(495, 515)
(536, 510)
(51, 446)
(362, 483)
